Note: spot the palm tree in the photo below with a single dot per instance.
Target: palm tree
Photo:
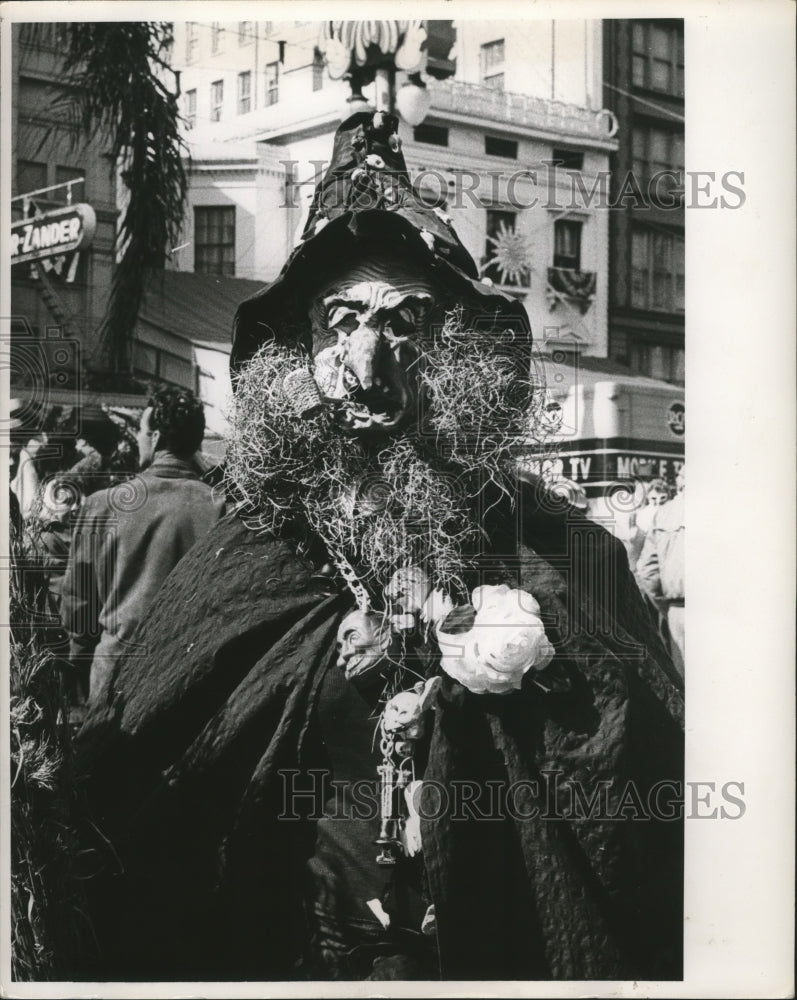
(117, 71)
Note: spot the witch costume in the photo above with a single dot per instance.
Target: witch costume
(274, 815)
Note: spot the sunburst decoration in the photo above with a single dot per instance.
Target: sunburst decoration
(510, 255)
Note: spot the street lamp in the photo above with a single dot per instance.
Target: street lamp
(413, 100)
(366, 51)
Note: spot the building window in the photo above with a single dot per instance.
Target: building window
(190, 109)
(216, 100)
(432, 135)
(191, 40)
(44, 36)
(216, 31)
(245, 32)
(496, 81)
(39, 35)
(656, 150)
(318, 69)
(657, 270)
(500, 147)
(76, 190)
(268, 27)
(658, 361)
(678, 365)
(568, 159)
(567, 244)
(658, 56)
(244, 93)
(214, 239)
(31, 176)
(492, 64)
(272, 82)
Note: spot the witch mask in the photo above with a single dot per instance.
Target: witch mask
(367, 349)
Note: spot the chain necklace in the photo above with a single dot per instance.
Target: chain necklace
(354, 584)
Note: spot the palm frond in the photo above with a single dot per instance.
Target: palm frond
(117, 72)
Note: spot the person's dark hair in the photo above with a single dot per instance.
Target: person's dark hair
(179, 417)
(658, 484)
(99, 431)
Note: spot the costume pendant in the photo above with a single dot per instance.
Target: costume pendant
(394, 779)
(402, 725)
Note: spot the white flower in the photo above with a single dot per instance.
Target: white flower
(507, 639)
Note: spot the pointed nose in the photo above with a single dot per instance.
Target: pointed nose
(361, 355)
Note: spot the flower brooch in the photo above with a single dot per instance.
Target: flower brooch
(498, 639)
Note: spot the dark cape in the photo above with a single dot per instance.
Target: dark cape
(186, 768)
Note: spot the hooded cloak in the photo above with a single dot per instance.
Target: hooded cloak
(188, 760)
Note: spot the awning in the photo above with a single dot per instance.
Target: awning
(197, 308)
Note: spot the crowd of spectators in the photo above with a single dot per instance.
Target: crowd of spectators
(660, 566)
(103, 555)
(653, 535)
(105, 505)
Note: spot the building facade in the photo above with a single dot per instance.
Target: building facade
(515, 146)
(511, 147)
(62, 181)
(54, 169)
(644, 87)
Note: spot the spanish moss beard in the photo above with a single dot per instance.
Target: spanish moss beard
(413, 499)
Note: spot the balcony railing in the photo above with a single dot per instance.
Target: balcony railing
(521, 109)
(43, 199)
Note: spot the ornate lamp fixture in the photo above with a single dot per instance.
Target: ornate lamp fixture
(362, 51)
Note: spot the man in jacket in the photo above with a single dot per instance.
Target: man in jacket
(128, 538)
(389, 605)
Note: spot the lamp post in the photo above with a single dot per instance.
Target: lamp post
(366, 51)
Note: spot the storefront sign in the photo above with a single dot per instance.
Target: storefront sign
(603, 467)
(645, 466)
(57, 232)
(676, 419)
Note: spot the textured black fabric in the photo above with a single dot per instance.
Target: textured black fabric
(183, 766)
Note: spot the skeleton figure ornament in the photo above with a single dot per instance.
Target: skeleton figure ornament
(408, 589)
(365, 644)
(402, 726)
(403, 714)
